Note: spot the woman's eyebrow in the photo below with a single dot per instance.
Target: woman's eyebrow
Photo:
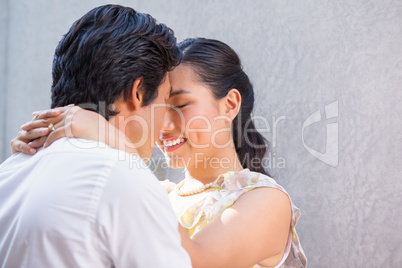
(177, 92)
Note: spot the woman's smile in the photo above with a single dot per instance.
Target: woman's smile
(171, 144)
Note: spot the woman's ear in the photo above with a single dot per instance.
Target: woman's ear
(137, 95)
(232, 103)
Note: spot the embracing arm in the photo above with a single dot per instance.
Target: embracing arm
(69, 121)
(254, 230)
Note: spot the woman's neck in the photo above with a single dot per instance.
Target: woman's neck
(210, 168)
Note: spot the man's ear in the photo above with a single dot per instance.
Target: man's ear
(232, 103)
(137, 94)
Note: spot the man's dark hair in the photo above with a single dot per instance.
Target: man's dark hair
(102, 54)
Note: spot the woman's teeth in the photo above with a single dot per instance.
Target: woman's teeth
(173, 142)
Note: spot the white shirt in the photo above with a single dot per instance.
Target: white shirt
(80, 203)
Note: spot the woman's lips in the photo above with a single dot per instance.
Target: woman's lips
(171, 145)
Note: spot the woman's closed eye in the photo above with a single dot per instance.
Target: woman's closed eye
(181, 106)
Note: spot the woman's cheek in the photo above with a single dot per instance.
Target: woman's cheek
(221, 137)
(199, 133)
(202, 139)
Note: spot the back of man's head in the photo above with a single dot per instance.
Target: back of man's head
(102, 54)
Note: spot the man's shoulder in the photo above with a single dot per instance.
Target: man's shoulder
(78, 154)
(101, 154)
(82, 146)
(78, 149)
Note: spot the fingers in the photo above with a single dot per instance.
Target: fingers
(55, 135)
(46, 114)
(41, 123)
(51, 112)
(46, 117)
(38, 142)
(21, 146)
(20, 143)
(33, 134)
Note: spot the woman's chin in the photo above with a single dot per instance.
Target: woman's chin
(174, 161)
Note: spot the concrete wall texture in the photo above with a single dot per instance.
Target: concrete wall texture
(327, 75)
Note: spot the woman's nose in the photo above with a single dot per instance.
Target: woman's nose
(168, 124)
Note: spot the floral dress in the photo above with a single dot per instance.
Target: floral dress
(195, 211)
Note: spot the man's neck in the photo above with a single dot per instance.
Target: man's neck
(115, 137)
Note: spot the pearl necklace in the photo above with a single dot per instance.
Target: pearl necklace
(193, 191)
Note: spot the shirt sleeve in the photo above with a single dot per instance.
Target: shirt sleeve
(136, 222)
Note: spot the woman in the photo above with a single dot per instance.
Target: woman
(235, 214)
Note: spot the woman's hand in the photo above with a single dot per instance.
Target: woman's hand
(33, 134)
(71, 122)
(48, 126)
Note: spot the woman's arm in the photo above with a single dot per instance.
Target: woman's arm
(72, 122)
(254, 230)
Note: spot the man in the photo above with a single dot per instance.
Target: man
(78, 204)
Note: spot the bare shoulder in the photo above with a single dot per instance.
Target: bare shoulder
(265, 198)
(255, 230)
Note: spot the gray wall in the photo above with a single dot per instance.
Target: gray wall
(330, 70)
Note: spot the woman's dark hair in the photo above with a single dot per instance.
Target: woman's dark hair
(219, 67)
(102, 54)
